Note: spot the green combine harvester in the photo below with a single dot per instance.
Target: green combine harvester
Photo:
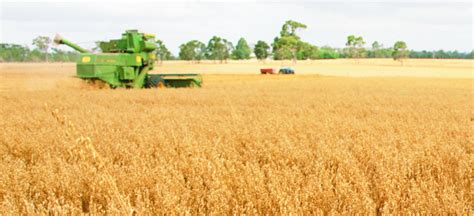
(125, 63)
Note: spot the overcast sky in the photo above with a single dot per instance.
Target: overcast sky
(424, 25)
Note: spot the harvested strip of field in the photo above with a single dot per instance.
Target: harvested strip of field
(338, 67)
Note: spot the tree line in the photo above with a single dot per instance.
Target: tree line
(286, 46)
(19, 53)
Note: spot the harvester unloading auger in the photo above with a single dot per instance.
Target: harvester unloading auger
(126, 62)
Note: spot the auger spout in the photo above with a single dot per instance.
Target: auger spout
(60, 40)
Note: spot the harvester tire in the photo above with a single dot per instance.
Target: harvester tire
(155, 82)
(160, 84)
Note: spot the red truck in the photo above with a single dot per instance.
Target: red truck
(267, 71)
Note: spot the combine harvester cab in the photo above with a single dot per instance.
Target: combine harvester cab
(125, 63)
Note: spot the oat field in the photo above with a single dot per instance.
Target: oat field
(333, 139)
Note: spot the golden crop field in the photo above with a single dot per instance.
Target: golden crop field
(332, 139)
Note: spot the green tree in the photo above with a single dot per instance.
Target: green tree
(242, 50)
(59, 55)
(355, 47)
(290, 27)
(218, 49)
(328, 53)
(400, 51)
(35, 55)
(306, 51)
(440, 54)
(376, 45)
(285, 48)
(13, 53)
(42, 43)
(192, 51)
(377, 50)
(290, 46)
(228, 49)
(261, 50)
(162, 53)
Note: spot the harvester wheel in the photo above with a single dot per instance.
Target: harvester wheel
(160, 84)
(155, 82)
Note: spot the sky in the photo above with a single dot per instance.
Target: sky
(423, 25)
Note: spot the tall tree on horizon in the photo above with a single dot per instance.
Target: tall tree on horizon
(218, 49)
(242, 50)
(355, 47)
(400, 51)
(162, 53)
(261, 50)
(193, 50)
(288, 44)
(43, 43)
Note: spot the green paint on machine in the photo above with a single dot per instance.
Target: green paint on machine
(125, 63)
